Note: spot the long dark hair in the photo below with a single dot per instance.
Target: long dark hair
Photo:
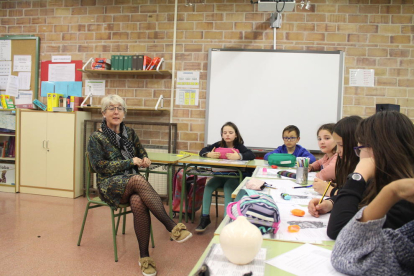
(237, 141)
(345, 128)
(390, 135)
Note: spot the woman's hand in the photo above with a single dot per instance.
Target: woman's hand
(319, 185)
(316, 209)
(366, 167)
(146, 162)
(233, 156)
(137, 161)
(213, 154)
(310, 167)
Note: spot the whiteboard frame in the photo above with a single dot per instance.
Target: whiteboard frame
(341, 56)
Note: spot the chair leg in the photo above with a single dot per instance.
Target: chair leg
(152, 237)
(216, 195)
(124, 222)
(117, 224)
(114, 235)
(83, 223)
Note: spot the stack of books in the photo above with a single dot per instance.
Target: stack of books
(101, 64)
(135, 62)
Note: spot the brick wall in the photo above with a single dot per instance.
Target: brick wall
(374, 34)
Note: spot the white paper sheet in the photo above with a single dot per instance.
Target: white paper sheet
(5, 49)
(25, 97)
(22, 63)
(3, 82)
(219, 265)
(62, 72)
(5, 68)
(12, 88)
(24, 80)
(187, 96)
(96, 87)
(313, 260)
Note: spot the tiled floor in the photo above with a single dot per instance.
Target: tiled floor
(39, 234)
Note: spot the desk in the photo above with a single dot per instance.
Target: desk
(205, 162)
(274, 249)
(257, 162)
(169, 160)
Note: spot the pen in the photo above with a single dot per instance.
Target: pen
(268, 186)
(324, 193)
(303, 187)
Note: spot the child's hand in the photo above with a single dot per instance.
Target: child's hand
(319, 185)
(316, 209)
(366, 167)
(213, 154)
(403, 189)
(233, 156)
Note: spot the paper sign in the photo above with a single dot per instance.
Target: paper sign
(96, 87)
(188, 79)
(47, 87)
(24, 97)
(24, 80)
(12, 87)
(62, 72)
(61, 58)
(5, 49)
(361, 77)
(5, 68)
(22, 63)
(3, 82)
(187, 97)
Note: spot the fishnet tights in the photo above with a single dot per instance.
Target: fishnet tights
(143, 198)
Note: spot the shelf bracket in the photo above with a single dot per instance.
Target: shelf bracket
(160, 100)
(84, 101)
(86, 64)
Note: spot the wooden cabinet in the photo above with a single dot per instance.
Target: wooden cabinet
(51, 152)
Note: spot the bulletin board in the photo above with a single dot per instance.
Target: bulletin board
(27, 45)
(263, 91)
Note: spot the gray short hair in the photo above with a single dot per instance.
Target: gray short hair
(112, 99)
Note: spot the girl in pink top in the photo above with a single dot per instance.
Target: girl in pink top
(326, 165)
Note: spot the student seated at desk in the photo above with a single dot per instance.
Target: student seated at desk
(325, 165)
(116, 154)
(344, 137)
(386, 152)
(231, 138)
(291, 137)
(364, 248)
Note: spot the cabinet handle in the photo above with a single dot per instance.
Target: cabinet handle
(44, 143)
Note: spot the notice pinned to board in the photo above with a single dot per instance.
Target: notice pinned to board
(361, 77)
(188, 84)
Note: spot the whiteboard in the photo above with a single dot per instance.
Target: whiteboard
(263, 91)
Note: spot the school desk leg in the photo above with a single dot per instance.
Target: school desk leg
(182, 192)
(170, 184)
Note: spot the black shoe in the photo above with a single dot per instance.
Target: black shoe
(205, 221)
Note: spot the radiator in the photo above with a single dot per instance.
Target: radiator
(158, 181)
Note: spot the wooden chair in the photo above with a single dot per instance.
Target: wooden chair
(97, 202)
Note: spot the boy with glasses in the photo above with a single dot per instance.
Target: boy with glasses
(291, 137)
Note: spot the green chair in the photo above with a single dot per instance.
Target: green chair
(97, 202)
(217, 195)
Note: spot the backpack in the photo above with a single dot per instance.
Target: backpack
(177, 180)
(282, 159)
(260, 209)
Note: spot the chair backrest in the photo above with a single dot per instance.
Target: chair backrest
(90, 172)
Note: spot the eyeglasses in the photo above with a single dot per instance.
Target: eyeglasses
(112, 108)
(358, 149)
(289, 138)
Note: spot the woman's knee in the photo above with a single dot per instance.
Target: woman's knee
(137, 181)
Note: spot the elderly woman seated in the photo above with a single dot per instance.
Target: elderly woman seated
(116, 153)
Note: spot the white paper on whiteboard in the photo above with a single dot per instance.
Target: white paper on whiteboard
(62, 72)
(5, 68)
(22, 63)
(12, 88)
(5, 49)
(24, 80)
(361, 77)
(96, 87)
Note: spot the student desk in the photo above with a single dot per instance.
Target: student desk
(257, 162)
(274, 249)
(194, 161)
(169, 160)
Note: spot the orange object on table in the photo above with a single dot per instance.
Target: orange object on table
(298, 212)
(293, 228)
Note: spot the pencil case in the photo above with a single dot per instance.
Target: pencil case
(282, 159)
(287, 174)
(224, 151)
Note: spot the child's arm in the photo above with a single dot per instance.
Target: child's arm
(328, 171)
(278, 150)
(389, 195)
(207, 151)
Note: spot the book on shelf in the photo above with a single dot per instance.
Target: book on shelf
(146, 62)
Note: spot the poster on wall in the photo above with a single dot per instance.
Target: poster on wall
(361, 77)
(188, 84)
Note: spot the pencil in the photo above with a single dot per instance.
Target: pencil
(324, 193)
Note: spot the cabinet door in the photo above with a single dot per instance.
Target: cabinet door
(33, 149)
(61, 147)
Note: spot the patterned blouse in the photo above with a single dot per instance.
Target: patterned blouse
(113, 171)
